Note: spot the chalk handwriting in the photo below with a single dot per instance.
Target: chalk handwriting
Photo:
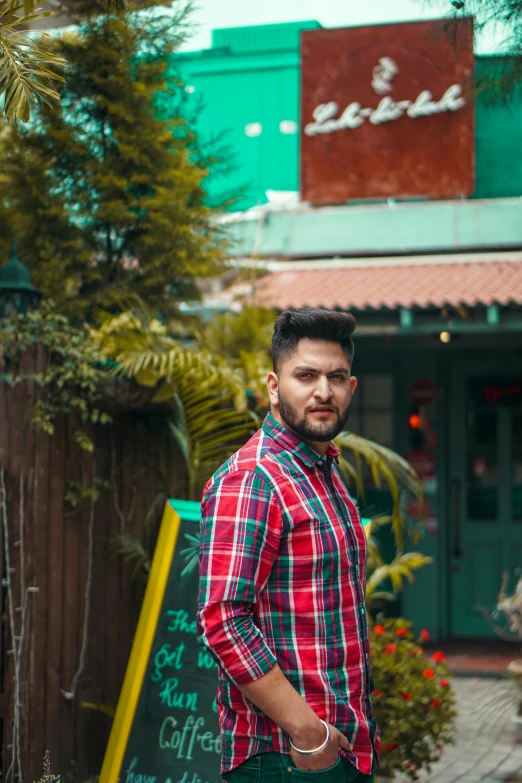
(182, 740)
(165, 657)
(133, 777)
(205, 660)
(180, 622)
(171, 697)
(187, 777)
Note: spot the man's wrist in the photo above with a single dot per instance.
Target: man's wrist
(310, 735)
(317, 748)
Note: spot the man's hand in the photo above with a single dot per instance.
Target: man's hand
(274, 695)
(327, 757)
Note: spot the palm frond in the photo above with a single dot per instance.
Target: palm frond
(26, 67)
(139, 345)
(208, 418)
(385, 467)
(9, 7)
(107, 709)
(381, 596)
(131, 549)
(374, 551)
(206, 429)
(400, 568)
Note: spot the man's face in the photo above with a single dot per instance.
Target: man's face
(313, 391)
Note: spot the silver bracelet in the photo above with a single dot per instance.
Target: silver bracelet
(316, 750)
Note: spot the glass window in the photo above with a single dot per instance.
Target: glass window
(482, 457)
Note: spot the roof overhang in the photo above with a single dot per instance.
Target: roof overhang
(415, 294)
(384, 229)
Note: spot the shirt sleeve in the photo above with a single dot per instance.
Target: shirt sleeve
(241, 525)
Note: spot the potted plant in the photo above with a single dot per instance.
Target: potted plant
(506, 620)
(413, 700)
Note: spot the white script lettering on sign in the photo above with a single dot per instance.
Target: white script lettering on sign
(388, 110)
(383, 74)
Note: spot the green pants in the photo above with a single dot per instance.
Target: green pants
(278, 768)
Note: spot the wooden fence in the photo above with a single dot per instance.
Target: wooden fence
(73, 606)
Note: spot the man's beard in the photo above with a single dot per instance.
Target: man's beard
(318, 432)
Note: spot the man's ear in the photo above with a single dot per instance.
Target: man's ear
(353, 383)
(272, 384)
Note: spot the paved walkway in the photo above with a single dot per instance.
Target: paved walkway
(487, 749)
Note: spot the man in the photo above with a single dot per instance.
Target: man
(282, 570)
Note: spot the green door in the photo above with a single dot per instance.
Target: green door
(485, 492)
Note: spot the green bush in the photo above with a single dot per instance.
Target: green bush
(413, 700)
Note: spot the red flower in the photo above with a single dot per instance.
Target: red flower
(435, 703)
(424, 635)
(428, 673)
(401, 632)
(390, 746)
(406, 696)
(377, 694)
(444, 683)
(378, 630)
(439, 657)
(390, 648)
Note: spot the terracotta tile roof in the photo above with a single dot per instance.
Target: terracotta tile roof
(383, 286)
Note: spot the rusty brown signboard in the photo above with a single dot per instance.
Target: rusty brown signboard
(387, 111)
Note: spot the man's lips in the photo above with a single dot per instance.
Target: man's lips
(321, 409)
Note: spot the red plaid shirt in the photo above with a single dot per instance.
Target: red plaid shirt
(282, 579)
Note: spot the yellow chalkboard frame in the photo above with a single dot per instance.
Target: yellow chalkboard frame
(142, 645)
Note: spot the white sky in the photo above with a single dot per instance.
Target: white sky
(211, 14)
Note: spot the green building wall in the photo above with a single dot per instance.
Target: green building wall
(498, 133)
(251, 75)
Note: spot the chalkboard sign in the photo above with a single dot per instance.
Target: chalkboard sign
(166, 726)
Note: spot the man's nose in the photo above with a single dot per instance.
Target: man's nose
(322, 389)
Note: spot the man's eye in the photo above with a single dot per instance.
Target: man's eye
(338, 377)
(305, 375)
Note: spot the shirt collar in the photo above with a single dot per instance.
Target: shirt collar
(291, 442)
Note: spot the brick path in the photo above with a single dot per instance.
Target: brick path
(486, 749)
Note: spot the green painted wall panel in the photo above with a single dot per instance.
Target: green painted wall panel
(253, 78)
(263, 37)
(258, 163)
(498, 133)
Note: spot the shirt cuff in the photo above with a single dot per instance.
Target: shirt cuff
(239, 647)
(259, 663)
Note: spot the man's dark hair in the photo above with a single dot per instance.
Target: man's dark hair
(314, 323)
